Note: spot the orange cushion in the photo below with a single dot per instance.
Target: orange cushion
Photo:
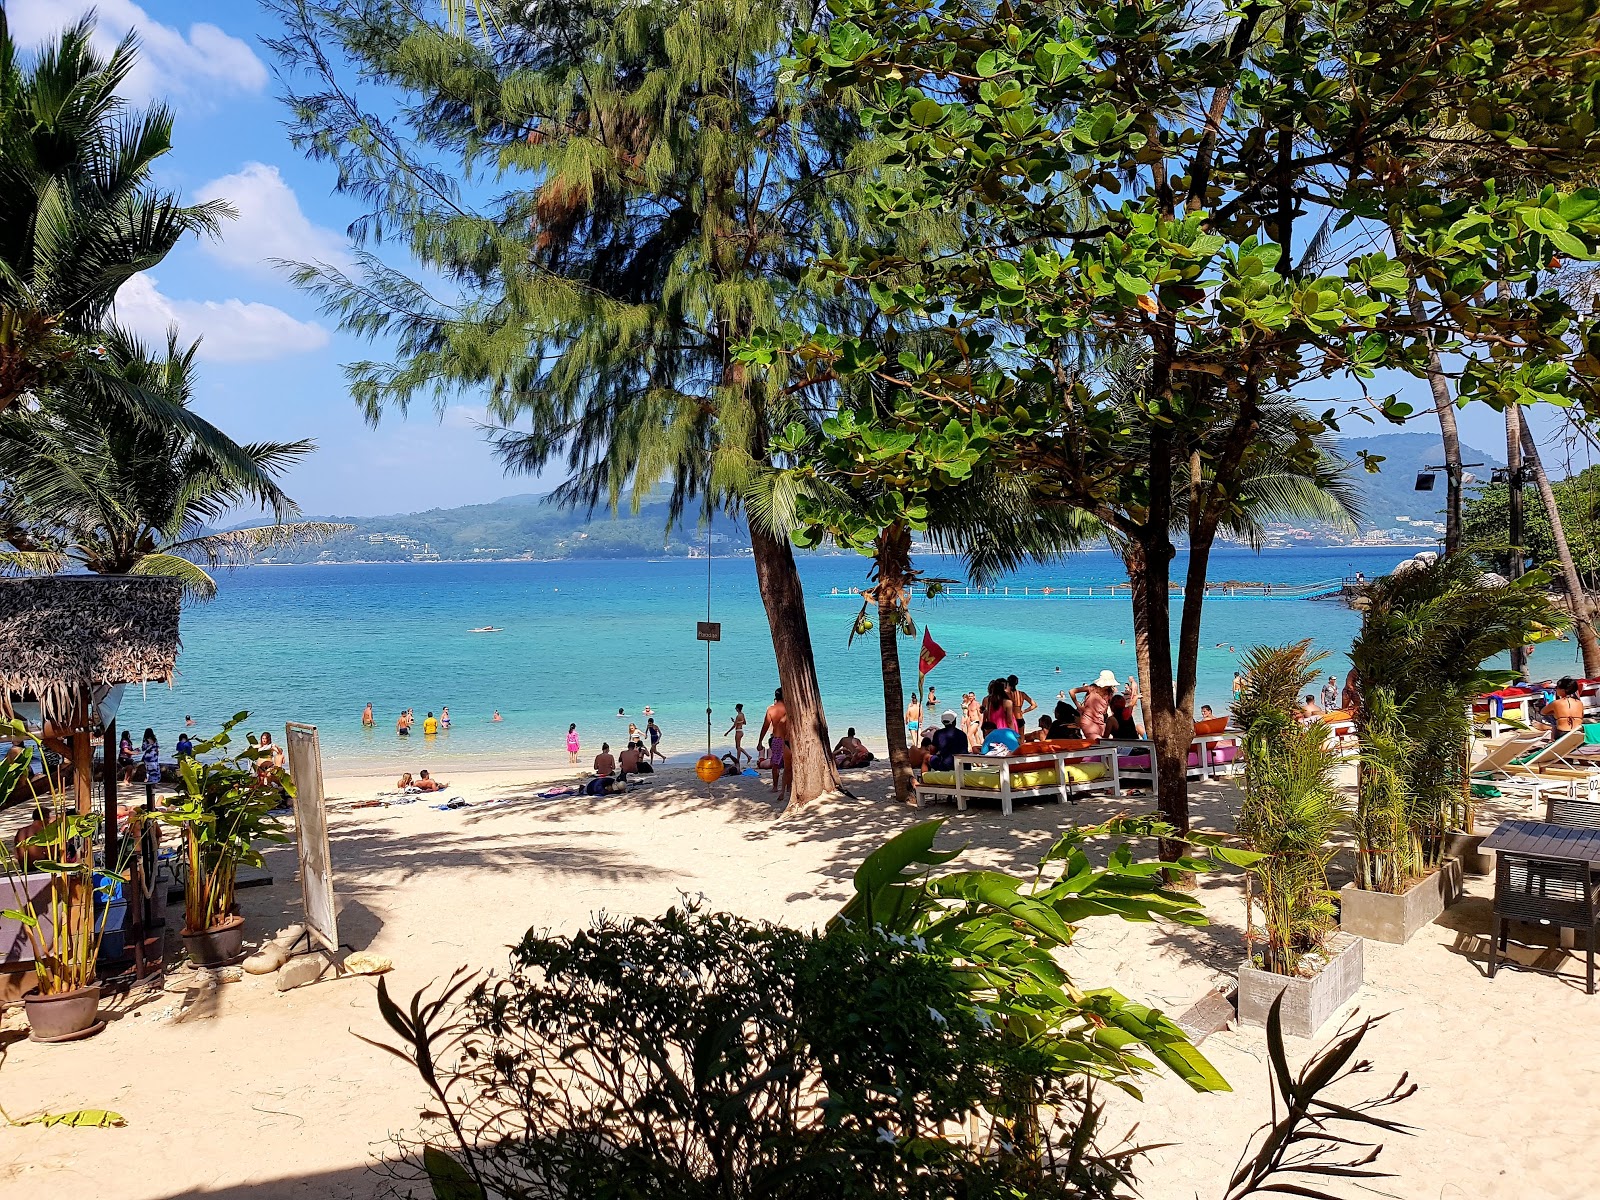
(1055, 745)
(1215, 725)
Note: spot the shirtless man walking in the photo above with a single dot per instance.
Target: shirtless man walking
(777, 721)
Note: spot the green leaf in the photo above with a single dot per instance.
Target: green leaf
(449, 1178)
(81, 1118)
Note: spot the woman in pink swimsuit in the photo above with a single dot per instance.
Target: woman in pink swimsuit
(997, 707)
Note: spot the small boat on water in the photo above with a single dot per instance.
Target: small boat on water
(487, 629)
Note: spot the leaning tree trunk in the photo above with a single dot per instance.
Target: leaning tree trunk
(1439, 385)
(812, 769)
(1577, 597)
(893, 690)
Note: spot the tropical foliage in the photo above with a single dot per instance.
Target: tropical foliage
(1292, 806)
(653, 189)
(223, 810)
(80, 213)
(89, 487)
(1428, 635)
(66, 923)
(1132, 178)
(927, 1044)
(1486, 525)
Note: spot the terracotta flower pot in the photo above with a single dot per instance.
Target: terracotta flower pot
(218, 946)
(63, 1016)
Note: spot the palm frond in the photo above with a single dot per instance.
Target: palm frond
(238, 547)
(197, 585)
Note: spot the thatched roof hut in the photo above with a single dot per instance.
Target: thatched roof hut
(64, 638)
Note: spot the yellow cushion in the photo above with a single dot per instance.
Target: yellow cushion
(988, 780)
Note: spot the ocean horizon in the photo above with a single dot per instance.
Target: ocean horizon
(580, 639)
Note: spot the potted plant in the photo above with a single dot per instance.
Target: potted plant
(1291, 809)
(223, 809)
(54, 888)
(1426, 633)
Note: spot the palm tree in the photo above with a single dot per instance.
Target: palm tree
(1427, 633)
(87, 487)
(1292, 805)
(79, 216)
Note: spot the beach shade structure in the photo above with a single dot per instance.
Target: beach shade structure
(69, 644)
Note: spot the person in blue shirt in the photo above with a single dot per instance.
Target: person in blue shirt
(185, 746)
(150, 755)
(948, 741)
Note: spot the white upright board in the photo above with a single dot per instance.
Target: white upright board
(311, 840)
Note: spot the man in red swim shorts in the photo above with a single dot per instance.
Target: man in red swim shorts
(777, 722)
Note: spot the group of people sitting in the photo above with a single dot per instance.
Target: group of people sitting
(423, 782)
(611, 771)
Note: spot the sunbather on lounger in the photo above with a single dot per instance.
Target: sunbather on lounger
(1565, 712)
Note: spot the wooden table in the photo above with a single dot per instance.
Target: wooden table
(1543, 840)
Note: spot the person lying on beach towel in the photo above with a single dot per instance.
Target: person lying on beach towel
(427, 784)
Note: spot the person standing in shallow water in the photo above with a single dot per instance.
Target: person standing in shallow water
(573, 745)
(366, 714)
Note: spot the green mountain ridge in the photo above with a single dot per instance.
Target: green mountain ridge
(527, 526)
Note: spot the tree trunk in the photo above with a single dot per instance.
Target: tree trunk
(1577, 597)
(1439, 385)
(894, 727)
(812, 770)
(1514, 494)
(1141, 644)
(1170, 733)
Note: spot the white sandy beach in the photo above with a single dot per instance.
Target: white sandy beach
(242, 1090)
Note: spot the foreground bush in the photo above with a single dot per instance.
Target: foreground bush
(927, 1044)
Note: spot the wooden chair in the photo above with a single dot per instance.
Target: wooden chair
(1550, 891)
(1574, 814)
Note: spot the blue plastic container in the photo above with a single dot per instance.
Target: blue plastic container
(111, 906)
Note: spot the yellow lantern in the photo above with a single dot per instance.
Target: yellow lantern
(709, 768)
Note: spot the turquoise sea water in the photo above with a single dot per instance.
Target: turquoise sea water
(582, 639)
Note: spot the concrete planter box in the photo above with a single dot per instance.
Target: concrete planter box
(1394, 919)
(1465, 848)
(1307, 1003)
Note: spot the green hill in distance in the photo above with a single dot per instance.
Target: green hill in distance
(528, 527)
(524, 527)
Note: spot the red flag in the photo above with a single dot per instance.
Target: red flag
(931, 656)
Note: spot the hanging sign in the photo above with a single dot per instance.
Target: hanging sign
(708, 631)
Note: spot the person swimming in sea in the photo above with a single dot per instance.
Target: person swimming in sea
(444, 717)
(366, 714)
(497, 716)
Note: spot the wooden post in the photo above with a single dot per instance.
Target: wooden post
(81, 742)
(109, 766)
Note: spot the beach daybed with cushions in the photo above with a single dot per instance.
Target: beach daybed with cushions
(1505, 709)
(1215, 750)
(1043, 770)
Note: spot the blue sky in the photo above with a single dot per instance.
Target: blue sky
(271, 362)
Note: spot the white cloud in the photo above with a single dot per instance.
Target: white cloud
(171, 64)
(233, 331)
(270, 224)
